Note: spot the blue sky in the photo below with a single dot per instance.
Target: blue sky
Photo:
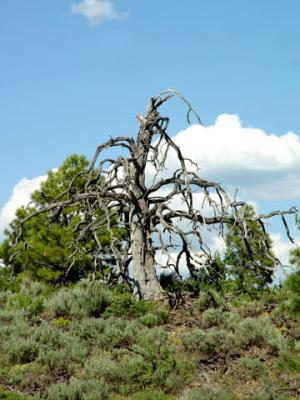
(68, 81)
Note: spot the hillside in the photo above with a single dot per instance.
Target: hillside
(88, 342)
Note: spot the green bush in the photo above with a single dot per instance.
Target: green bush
(28, 303)
(3, 298)
(251, 368)
(214, 317)
(26, 376)
(10, 316)
(88, 329)
(20, 350)
(12, 396)
(151, 394)
(61, 322)
(268, 394)
(290, 362)
(160, 363)
(62, 362)
(208, 298)
(231, 321)
(250, 309)
(29, 299)
(61, 303)
(48, 336)
(101, 365)
(214, 342)
(123, 304)
(60, 352)
(34, 289)
(119, 333)
(156, 317)
(78, 389)
(259, 332)
(87, 299)
(7, 278)
(206, 392)
(106, 334)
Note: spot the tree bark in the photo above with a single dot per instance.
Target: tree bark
(143, 263)
(143, 260)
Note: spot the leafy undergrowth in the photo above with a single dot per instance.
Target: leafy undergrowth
(91, 343)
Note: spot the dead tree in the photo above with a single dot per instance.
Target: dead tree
(118, 187)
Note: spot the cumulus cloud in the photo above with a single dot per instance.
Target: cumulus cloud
(97, 11)
(263, 166)
(20, 197)
(282, 247)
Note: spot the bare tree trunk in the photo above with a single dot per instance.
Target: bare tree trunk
(143, 263)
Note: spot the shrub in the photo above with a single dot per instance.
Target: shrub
(65, 355)
(34, 289)
(61, 322)
(290, 362)
(123, 304)
(160, 363)
(214, 342)
(87, 299)
(208, 298)
(30, 298)
(208, 393)
(151, 394)
(118, 333)
(214, 317)
(149, 320)
(267, 394)
(20, 350)
(231, 321)
(60, 304)
(105, 333)
(28, 303)
(58, 362)
(259, 332)
(3, 297)
(11, 333)
(11, 315)
(47, 336)
(12, 396)
(252, 309)
(25, 376)
(101, 365)
(79, 389)
(88, 329)
(157, 317)
(252, 368)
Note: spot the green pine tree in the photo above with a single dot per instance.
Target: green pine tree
(250, 270)
(293, 280)
(44, 250)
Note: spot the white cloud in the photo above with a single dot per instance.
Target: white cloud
(282, 247)
(97, 11)
(20, 196)
(261, 165)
